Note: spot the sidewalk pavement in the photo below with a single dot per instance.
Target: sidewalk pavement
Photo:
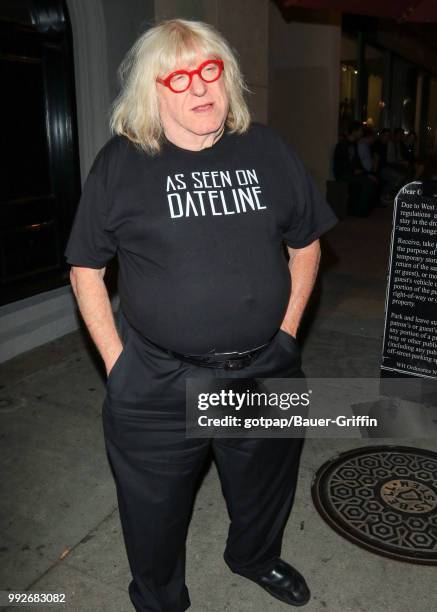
(59, 524)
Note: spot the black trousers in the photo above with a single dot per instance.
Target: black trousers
(156, 469)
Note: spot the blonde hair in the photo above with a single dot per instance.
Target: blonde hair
(135, 111)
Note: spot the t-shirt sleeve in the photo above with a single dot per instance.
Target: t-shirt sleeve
(310, 214)
(91, 244)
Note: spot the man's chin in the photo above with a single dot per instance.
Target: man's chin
(208, 131)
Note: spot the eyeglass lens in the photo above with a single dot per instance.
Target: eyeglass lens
(208, 73)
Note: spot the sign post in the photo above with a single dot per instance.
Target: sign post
(410, 330)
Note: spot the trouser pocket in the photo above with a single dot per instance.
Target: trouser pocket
(288, 340)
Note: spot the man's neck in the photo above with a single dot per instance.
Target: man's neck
(198, 143)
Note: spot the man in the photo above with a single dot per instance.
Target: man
(348, 167)
(196, 203)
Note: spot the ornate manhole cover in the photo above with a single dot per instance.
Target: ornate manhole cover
(383, 498)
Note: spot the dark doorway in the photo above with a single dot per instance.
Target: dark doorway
(40, 177)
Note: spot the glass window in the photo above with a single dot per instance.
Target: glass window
(403, 94)
(348, 82)
(374, 68)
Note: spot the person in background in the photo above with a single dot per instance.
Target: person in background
(380, 149)
(346, 115)
(349, 168)
(365, 150)
(346, 161)
(410, 153)
(389, 177)
(410, 147)
(397, 151)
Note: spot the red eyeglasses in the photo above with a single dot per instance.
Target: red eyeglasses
(180, 80)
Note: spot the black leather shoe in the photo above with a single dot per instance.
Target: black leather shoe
(285, 583)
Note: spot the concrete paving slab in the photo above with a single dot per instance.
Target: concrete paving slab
(53, 456)
(333, 354)
(343, 317)
(40, 358)
(20, 565)
(101, 553)
(75, 382)
(83, 593)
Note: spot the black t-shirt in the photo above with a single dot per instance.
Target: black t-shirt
(199, 236)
